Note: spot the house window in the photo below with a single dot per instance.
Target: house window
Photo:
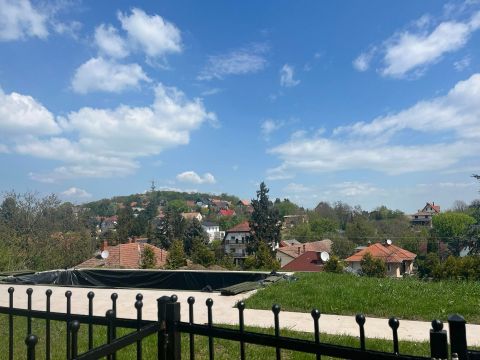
(232, 237)
(416, 216)
(389, 267)
(236, 241)
(426, 216)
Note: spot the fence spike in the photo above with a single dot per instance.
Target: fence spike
(394, 324)
(68, 295)
(138, 306)
(11, 290)
(241, 321)
(438, 341)
(209, 304)
(191, 301)
(360, 319)
(276, 311)
(29, 307)
(31, 340)
(48, 293)
(75, 326)
(90, 297)
(316, 317)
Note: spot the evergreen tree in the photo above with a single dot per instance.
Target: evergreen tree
(125, 223)
(201, 254)
(170, 227)
(148, 260)
(193, 231)
(176, 255)
(265, 222)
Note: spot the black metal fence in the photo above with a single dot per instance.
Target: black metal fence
(168, 329)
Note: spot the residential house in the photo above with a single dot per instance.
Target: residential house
(424, 217)
(293, 220)
(213, 231)
(307, 261)
(109, 223)
(192, 215)
(125, 256)
(399, 261)
(218, 204)
(235, 241)
(226, 212)
(286, 254)
(245, 206)
(290, 242)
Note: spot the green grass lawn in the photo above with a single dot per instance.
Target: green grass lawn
(346, 294)
(224, 349)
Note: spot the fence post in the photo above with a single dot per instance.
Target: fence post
(31, 341)
(75, 326)
(174, 346)
(458, 336)
(438, 341)
(162, 335)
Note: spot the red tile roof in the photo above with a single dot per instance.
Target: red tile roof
(316, 246)
(125, 256)
(388, 253)
(226, 212)
(245, 202)
(243, 227)
(308, 261)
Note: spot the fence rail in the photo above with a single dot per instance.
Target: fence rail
(168, 327)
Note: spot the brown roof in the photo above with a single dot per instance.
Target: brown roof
(125, 256)
(389, 253)
(243, 227)
(308, 261)
(191, 215)
(316, 246)
(245, 202)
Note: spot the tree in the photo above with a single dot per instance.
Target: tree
(262, 260)
(342, 247)
(322, 226)
(193, 231)
(171, 226)
(148, 260)
(286, 207)
(176, 255)
(201, 254)
(452, 227)
(266, 221)
(334, 265)
(360, 231)
(372, 266)
(125, 223)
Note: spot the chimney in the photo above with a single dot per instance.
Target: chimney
(129, 240)
(299, 250)
(303, 247)
(105, 245)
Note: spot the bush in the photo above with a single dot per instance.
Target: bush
(148, 260)
(176, 255)
(334, 265)
(262, 260)
(373, 267)
(201, 254)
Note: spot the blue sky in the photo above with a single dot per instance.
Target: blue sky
(365, 102)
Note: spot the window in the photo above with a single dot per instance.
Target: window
(389, 268)
(236, 241)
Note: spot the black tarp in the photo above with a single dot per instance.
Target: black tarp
(145, 279)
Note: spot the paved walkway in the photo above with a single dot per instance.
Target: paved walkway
(223, 311)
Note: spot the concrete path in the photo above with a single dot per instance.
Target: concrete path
(223, 311)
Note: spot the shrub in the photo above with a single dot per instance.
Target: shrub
(176, 255)
(334, 265)
(148, 260)
(262, 260)
(373, 267)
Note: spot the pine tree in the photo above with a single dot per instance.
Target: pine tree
(170, 227)
(148, 260)
(193, 231)
(176, 255)
(265, 222)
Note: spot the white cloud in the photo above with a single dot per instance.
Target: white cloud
(462, 64)
(98, 74)
(108, 142)
(194, 178)
(296, 188)
(20, 20)
(110, 42)
(362, 62)
(451, 124)
(286, 76)
(22, 114)
(269, 126)
(152, 34)
(354, 189)
(4, 149)
(246, 60)
(412, 50)
(75, 192)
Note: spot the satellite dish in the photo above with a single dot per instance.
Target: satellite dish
(324, 256)
(104, 254)
(389, 242)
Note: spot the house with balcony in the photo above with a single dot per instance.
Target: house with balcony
(424, 216)
(235, 242)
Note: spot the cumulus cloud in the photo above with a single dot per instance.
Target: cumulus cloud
(75, 192)
(269, 126)
(246, 60)
(109, 42)
(286, 76)
(194, 178)
(151, 33)
(20, 20)
(99, 74)
(354, 189)
(411, 51)
(22, 114)
(296, 188)
(93, 142)
(450, 121)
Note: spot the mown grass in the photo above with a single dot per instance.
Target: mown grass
(345, 294)
(224, 349)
